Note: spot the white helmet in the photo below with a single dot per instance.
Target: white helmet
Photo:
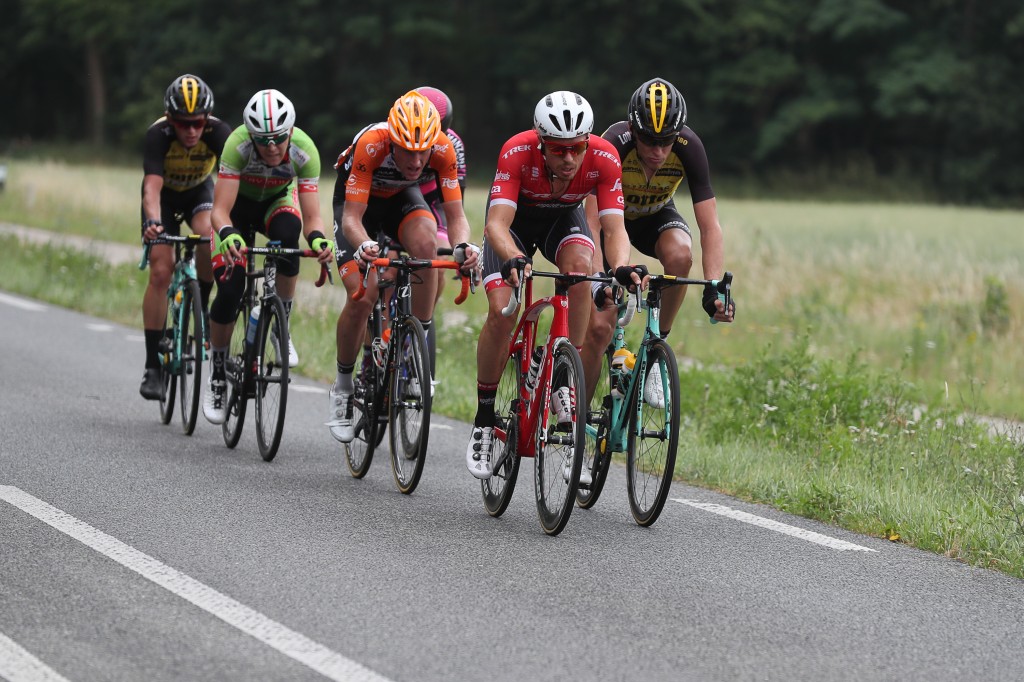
(269, 113)
(563, 115)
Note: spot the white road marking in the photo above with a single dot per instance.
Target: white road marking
(22, 303)
(97, 327)
(18, 665)
(810, 536)
(306, 389)
(312, 654)
(447, 427)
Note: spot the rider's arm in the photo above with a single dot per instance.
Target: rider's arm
(616, 241)
(312, 221)
(497, 231)
(151, 187)
(352, 223)
(590, 207)
(712, 255)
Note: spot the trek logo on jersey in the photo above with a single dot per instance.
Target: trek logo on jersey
(607, 155)
(516, 150)
(502, 176)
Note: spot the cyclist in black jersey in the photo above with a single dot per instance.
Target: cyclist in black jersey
(658, 151)
(181, 153)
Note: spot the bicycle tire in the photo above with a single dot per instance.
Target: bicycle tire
(653, 436)
(270, 380)
(190, 362)
(408, 413)
(597, 456)
(497, 490)
(237, 377)
(557, 443)
(359, 453)
(168, 381)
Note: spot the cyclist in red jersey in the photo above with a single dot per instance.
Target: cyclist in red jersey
(536, 201)
(658, 152)
(180, 155)
(378, 192)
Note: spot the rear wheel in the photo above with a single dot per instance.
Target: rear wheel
(369, 432)
(168, 364)
(191, 365)
(597, 455)
(410, 400)
(653, 434)
(560, 445)
(497, 490)
(271, 377)
(235, 371)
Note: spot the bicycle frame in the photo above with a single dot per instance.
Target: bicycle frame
(184, 271)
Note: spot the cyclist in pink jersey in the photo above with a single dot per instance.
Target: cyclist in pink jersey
(536, 202)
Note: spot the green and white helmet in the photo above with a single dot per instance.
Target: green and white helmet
(269, 113)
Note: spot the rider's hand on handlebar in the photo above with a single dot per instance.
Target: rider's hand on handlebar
(602, 293)
(714, 306)
(632, 276)
(513, 268)
(151, 229)
(468, 256)
(367, 251)
(318, 242)
(231, 243)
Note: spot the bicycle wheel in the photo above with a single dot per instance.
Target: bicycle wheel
(597, 455)
(497, 490)
(167, 363)
(237, 377)
(410, 400)
(190, 334)
(560, 445)
(271, 376)
(359, 453)
(653, 434)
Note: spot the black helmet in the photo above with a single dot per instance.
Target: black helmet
(188, 95)
(657, 110)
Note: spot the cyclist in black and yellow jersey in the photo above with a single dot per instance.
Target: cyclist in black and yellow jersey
(181, 153)
(658, 151)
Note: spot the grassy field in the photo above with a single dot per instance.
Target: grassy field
(864, 332)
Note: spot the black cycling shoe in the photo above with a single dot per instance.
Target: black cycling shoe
(151, 388)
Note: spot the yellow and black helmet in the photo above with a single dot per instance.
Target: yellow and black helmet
(657, 110)
(188, 95)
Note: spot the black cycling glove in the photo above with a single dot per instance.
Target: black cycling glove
(516, 263)
(623, 274)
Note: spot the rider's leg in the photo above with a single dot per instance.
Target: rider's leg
(673, 249)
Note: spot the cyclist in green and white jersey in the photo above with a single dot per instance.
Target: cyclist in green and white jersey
(268, 181)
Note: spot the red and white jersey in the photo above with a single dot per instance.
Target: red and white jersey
(523, 180)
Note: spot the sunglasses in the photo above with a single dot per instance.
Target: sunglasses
(655, 141)
(190, 124)
(267, 140)
(563, 149)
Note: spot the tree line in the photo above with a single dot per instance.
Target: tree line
(922, 90)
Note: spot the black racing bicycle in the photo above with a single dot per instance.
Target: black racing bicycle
(257, 362)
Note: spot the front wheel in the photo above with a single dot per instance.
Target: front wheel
(653, 433)
(560, 438)
(190, 336)
(368, 430)
(410, 401)
(271, 377)
(497, 490)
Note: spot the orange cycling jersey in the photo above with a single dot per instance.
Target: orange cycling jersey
(371, 169)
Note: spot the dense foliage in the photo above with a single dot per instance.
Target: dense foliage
(873, 90)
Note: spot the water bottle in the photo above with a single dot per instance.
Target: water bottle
(623, 361)
(535, 362)
(254, 318)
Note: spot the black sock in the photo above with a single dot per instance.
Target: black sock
(153, 337)
(485, 404)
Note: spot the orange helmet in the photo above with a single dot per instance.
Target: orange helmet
(413, 122)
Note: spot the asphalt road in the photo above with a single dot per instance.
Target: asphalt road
(129, 551)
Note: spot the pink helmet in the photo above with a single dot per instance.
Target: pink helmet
(441, 102)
